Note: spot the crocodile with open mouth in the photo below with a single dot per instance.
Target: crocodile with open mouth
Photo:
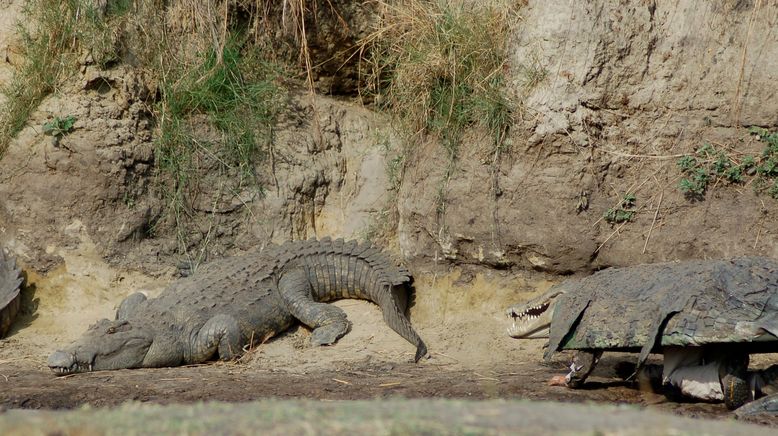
(722, 308)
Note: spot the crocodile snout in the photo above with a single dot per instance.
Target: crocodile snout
(63, 363)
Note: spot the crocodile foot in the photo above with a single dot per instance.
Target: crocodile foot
(328, 334)
(734, 381)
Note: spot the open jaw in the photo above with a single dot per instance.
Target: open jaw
(533, 319)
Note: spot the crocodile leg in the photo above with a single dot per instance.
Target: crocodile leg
(129, 304)
(219, 334)
(582, 365)
(329, 323)
(765, 381)
(734, 378)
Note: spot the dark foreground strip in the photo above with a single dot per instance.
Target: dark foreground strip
(390, 417)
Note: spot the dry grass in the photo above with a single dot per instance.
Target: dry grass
(439, 66)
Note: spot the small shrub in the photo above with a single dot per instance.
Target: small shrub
(624, 212)
(709, 165)
(59, 126)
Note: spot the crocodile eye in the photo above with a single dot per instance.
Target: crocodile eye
(120, 327)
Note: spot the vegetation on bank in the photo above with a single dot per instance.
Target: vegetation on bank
(712, 165)
(438, 67)
(51, 47)
(206, 81)
(234, 91)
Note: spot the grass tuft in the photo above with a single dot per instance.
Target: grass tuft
(236, 92)
(439, 68)
(55, 33)
(241, 107)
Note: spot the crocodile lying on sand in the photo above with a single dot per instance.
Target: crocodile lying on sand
(706, 317)
(10, 281)
(237, 302)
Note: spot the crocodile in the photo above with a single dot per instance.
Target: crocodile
(766, 406)
(10, 282)
(721, 309)
(234, 303)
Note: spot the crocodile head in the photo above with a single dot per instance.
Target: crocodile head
(532, 320)
(106, 345)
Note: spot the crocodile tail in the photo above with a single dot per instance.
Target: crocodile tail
(386, 284)
(346, 269)
(395, 318)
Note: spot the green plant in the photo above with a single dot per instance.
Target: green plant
(767, 167)
(687, 163)
(59, 126)
(624, 212)
(721, 164)
(696, 184)
(773, 190)
(230, 92)
(709, 165)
